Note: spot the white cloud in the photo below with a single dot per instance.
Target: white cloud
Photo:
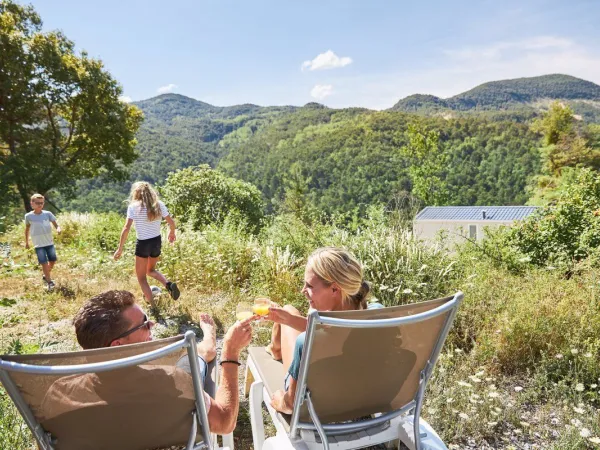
(327, 60)
(125, 98)
(501, 50)
(320, 91)
(166, 89)
(458, 70)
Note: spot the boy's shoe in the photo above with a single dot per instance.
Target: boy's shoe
(51, 285)
(173, 290)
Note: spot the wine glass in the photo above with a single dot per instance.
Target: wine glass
(261, 306)
(243, 311)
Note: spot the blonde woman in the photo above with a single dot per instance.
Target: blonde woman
(147, 212)
(333, 281)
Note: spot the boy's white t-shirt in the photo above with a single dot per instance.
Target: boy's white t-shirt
(40, 228)
(144, 228)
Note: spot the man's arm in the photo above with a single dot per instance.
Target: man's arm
(222, 416)
(27, 227)
(124, 234)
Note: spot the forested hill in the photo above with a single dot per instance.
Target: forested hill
(522, 96)
(342, 159)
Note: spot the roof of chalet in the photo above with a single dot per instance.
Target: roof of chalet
(475, 213)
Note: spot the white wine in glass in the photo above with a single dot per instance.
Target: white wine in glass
(243, 311)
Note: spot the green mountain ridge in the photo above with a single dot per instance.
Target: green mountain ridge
(523, 96)
(347, 158)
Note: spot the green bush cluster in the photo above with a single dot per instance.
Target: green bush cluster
(201, 196)
(566, 232)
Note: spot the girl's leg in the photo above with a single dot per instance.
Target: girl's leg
(151, 271)
(141, 266)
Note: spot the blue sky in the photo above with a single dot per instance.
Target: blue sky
(365, 53)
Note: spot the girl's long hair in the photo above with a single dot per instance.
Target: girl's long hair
(143, 193)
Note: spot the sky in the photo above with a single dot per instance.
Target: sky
(341, 53)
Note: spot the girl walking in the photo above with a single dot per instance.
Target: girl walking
(147, 212)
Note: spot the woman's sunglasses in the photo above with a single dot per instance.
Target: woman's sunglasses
(145, 323)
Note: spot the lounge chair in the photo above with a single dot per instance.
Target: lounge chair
(362, 379)
(134, 396)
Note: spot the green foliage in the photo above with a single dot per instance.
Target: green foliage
(428, 163)
(567, 232)
(201, 196)
(516, 99)
(350, 159)
(61, 119)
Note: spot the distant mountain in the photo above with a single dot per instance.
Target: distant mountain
(521, 95)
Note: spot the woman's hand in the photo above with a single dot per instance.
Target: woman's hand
(277, 314)
(278, 402)
(117, 254)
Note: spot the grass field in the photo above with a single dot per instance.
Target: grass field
(520, 368)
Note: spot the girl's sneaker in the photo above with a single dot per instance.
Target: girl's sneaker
(173, 290)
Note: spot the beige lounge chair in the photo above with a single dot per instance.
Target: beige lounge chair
(362, 379)
(125, 397)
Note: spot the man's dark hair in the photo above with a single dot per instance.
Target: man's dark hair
(101, 319)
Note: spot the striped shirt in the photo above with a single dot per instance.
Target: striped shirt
(144, 228)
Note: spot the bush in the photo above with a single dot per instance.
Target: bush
(566, 232)
(201, 196)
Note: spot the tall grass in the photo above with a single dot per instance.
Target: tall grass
(522, 356)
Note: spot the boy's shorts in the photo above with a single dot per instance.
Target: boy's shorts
(45, 254)
(145, 248)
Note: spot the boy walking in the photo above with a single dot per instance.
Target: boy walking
(37, 223)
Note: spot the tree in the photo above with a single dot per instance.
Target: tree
(60, 114)
(428, 162)
(200, 196)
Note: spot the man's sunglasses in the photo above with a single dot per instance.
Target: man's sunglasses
(145, 323)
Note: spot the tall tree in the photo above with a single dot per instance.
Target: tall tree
(60, 114)
(428, 163)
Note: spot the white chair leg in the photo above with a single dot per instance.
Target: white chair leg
(228, 441)
(256, 420)
(429, 438)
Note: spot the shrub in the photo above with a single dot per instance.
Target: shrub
(566, 232)
(201, 196)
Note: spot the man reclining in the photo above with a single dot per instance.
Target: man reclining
(157, 399)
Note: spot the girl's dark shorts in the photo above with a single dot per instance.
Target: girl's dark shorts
(145, 248)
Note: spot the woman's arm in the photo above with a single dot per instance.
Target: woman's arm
(172, 228)
(285, 317)
(124, 234)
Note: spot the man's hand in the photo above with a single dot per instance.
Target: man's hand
(172, 236)
(278, 402)
(117, 254)
(237, 337)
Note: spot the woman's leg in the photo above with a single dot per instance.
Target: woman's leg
(141, 267)
(283, 340)
(151, 271)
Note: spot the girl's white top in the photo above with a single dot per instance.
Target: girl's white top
(144, 228)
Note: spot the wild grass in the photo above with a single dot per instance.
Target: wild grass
(520, 368)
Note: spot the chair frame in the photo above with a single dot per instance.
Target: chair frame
(47, 442)
(420, 428)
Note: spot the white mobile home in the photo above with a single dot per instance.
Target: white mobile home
(466, 221)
